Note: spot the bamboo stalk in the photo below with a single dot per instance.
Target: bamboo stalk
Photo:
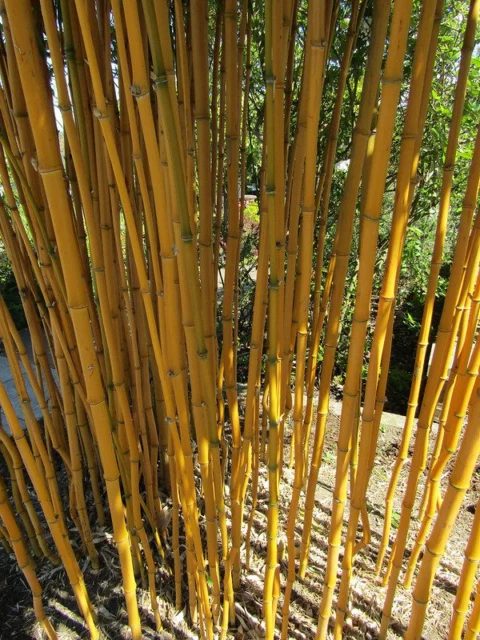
(345, 224)
(274, 319)
(317, 44)
(458, 483)
(387, 295)
(441, 355)
(24, 561)
(467, 579)
(51, 172)
(124, 187)
(473, 623)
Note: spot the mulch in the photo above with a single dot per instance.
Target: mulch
(18, 621)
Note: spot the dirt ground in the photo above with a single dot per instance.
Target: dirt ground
(17, 619)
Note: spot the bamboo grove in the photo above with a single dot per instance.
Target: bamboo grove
(123, 151)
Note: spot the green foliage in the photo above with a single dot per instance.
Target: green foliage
(399, 381)
(251, 213)
(246, 294)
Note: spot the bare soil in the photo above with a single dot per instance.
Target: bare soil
(17, 619)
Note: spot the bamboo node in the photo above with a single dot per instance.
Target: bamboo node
(418, 600)
(42, 171)
(99, 114)
(431, 552)
(374, 219)
(17, 438)
(160, 80)
(111, 479)
(77, 307)
(359, 131)
(137, 91)
(392, 80)
(458, 487)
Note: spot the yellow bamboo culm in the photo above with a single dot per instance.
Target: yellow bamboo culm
(15, 538)
(458, 483)
(180, 182)
(444, 345)
(467, 579)
(473, 622)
